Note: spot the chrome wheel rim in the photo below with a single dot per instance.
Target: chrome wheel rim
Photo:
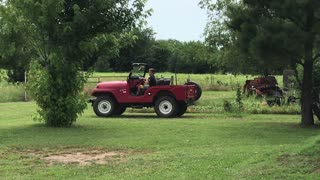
(104, 107)
(165, 107)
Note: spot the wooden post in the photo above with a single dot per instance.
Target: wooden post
(25, 86)
(176, 77)
(172, 80)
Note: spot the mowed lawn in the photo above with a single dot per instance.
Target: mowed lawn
(196, 146)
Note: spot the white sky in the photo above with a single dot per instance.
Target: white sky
(183, 20)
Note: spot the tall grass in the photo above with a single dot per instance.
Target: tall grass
(11, 92)
(213, 102)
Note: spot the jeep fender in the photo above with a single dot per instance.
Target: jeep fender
(97, 93)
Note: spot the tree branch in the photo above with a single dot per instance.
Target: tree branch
(297, 22)
(296, 74)
(317, 56)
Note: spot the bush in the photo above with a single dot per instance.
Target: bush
(227, 106)
(59, 107)
(253, 105)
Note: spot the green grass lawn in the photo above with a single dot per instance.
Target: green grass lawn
(197, 146)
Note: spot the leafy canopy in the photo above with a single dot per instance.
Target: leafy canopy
(65, 34)
(275, 34)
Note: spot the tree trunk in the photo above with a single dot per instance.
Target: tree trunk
(306, 94)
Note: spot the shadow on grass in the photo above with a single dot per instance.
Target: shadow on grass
(140, 116)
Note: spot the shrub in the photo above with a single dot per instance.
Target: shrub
(239, 98)
(227, 106)
(54, 110)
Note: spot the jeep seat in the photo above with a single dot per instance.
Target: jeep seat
(163, 82)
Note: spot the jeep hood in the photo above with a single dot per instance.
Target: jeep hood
(112, 84)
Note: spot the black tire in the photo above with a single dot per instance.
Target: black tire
(166, 107)
(104, 106)
(182, 108)
(120, 110)
(199, 90)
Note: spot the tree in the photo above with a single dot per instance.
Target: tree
(278, 33)
(65, 34)
(191, 57)
(15, 54)
(136, 52)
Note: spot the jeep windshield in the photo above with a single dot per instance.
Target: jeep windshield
(138, 71)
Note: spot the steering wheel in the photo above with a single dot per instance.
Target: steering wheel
(140, 82)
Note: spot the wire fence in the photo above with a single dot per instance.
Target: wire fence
(99, 79)
(208, 82)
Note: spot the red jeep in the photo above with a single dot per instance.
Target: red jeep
(112, 98)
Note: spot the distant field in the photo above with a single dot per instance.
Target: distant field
(141, 146)
(206, 81)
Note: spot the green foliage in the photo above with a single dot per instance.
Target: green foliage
(11, 92)
(191, 57)
(2, 76)
(164, 55)
(144, 49)
(239, 98)
(59, 107)
(15, 46)
(67, 35)
(275, 33)
(316, 80)
(221, 39)
(227, 106)
(236, 106)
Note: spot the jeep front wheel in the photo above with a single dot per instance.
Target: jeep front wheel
(166, 107)
(182, 108)
(104, 106)
(121, 109)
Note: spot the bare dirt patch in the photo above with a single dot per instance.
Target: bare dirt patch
(86, 158)
(80, 157)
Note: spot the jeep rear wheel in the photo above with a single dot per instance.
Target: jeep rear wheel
(104, 106)
(199, 90)
(166, 107)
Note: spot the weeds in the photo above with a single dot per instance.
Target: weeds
(12, 92)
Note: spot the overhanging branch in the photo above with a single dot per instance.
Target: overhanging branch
(317, 56)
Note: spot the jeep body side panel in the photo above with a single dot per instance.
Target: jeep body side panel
(122, 93)
(179, 92)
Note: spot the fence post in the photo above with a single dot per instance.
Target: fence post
(176, 77)
(25, 86)
(172, 80)
(212, 79)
